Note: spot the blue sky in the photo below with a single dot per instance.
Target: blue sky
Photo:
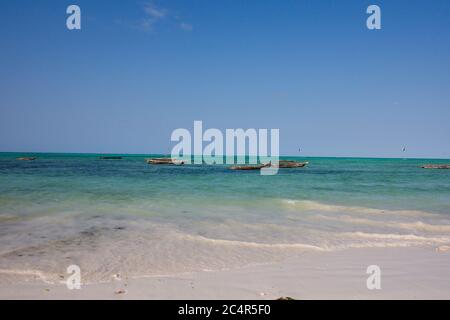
(138, 70)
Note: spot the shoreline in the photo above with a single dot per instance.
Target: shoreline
(406, 273)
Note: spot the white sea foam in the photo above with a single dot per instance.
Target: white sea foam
(416, 225)
(28, 273)
(174, 251)
(253, 244)
(307, 205)
(388, 236)
(144, 246)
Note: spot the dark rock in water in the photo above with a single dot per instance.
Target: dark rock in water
(110, 158)
(88, 233)
(285, 298)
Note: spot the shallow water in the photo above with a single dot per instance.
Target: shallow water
(128, 217)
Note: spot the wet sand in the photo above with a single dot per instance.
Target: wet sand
(406, 273)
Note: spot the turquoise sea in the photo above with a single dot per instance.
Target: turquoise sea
(126, 216)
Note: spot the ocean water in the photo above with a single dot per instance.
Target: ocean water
(134, 219)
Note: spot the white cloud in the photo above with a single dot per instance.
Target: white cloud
(154, 12)
(154, 15)
(186, 26)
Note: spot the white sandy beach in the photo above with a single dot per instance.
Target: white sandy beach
(406, 273)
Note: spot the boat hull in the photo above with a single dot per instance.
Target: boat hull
(436, 166)
(165, 161)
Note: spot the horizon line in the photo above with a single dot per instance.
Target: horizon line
(149, 154)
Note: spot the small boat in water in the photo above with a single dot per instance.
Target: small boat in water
(164, 161)
(436, 166)
(26, 158)
(250, 167)
(291, 164)
(281, 164)
(110, 158)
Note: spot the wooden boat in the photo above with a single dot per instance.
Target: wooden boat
(159, 161)
(250, 167)
(164, 161)
(110, 158)
(281, 164)
(26, 158)
(291, 164)
(436, 166)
